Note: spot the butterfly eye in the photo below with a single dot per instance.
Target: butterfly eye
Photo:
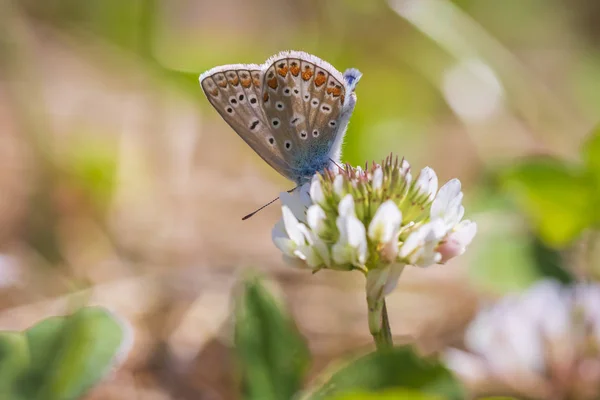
(275, 122)
(271, 140)
(288, 145)
(303, 135)
(306, 97)
(325, 108)
(314, 103)
(332, 123)
(279, 105)
(229, 110)
(241, 97)
(253, 100)
(287, 92)
(296, 91)
(315, 133)
(233, 101)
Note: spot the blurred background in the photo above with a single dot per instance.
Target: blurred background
(121, 186)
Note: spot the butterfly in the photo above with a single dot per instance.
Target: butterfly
(293, 110)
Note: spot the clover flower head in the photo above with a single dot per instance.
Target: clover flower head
(374, 218)
(542, 344)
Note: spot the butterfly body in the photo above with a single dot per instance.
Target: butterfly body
(293, 110)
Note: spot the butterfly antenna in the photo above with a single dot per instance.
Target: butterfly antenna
(338, 165)
(266, 205)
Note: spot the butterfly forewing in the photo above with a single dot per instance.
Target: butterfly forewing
(235, 92)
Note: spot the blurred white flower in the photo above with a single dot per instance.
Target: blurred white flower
(543, 344)
(10, 271)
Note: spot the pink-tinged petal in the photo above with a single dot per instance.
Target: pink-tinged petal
(456, 242)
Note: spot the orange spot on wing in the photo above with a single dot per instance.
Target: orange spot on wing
(214, 92)
(342, 99)
(256, 78)
(272, 83)
(265, 97)
(294, 69)
(320, 79)
(234, 80)
(307, 74)
(246, 82)
(282, 70)
(222, 83)
(335, 91)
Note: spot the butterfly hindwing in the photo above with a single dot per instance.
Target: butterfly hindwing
(235, 92)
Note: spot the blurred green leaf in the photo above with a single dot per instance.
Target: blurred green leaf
(591, 157)
(557, 197)
(91, 165)
(549, 262)
(398, 368)
(59, 358)
(273, 356)
(591, 152)
(502, 257)
(388, 395)
(14, 359)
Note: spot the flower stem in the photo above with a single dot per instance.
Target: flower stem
(379, 325)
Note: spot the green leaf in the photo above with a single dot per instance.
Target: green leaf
(272, 355)
(59, 358)
(398, 368)
(557, 198)
(405, 394)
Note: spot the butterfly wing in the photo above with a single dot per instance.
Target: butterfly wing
(304, 100)
(235, 92)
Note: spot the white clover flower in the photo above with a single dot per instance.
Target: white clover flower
(543, 344)
(377, 219)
